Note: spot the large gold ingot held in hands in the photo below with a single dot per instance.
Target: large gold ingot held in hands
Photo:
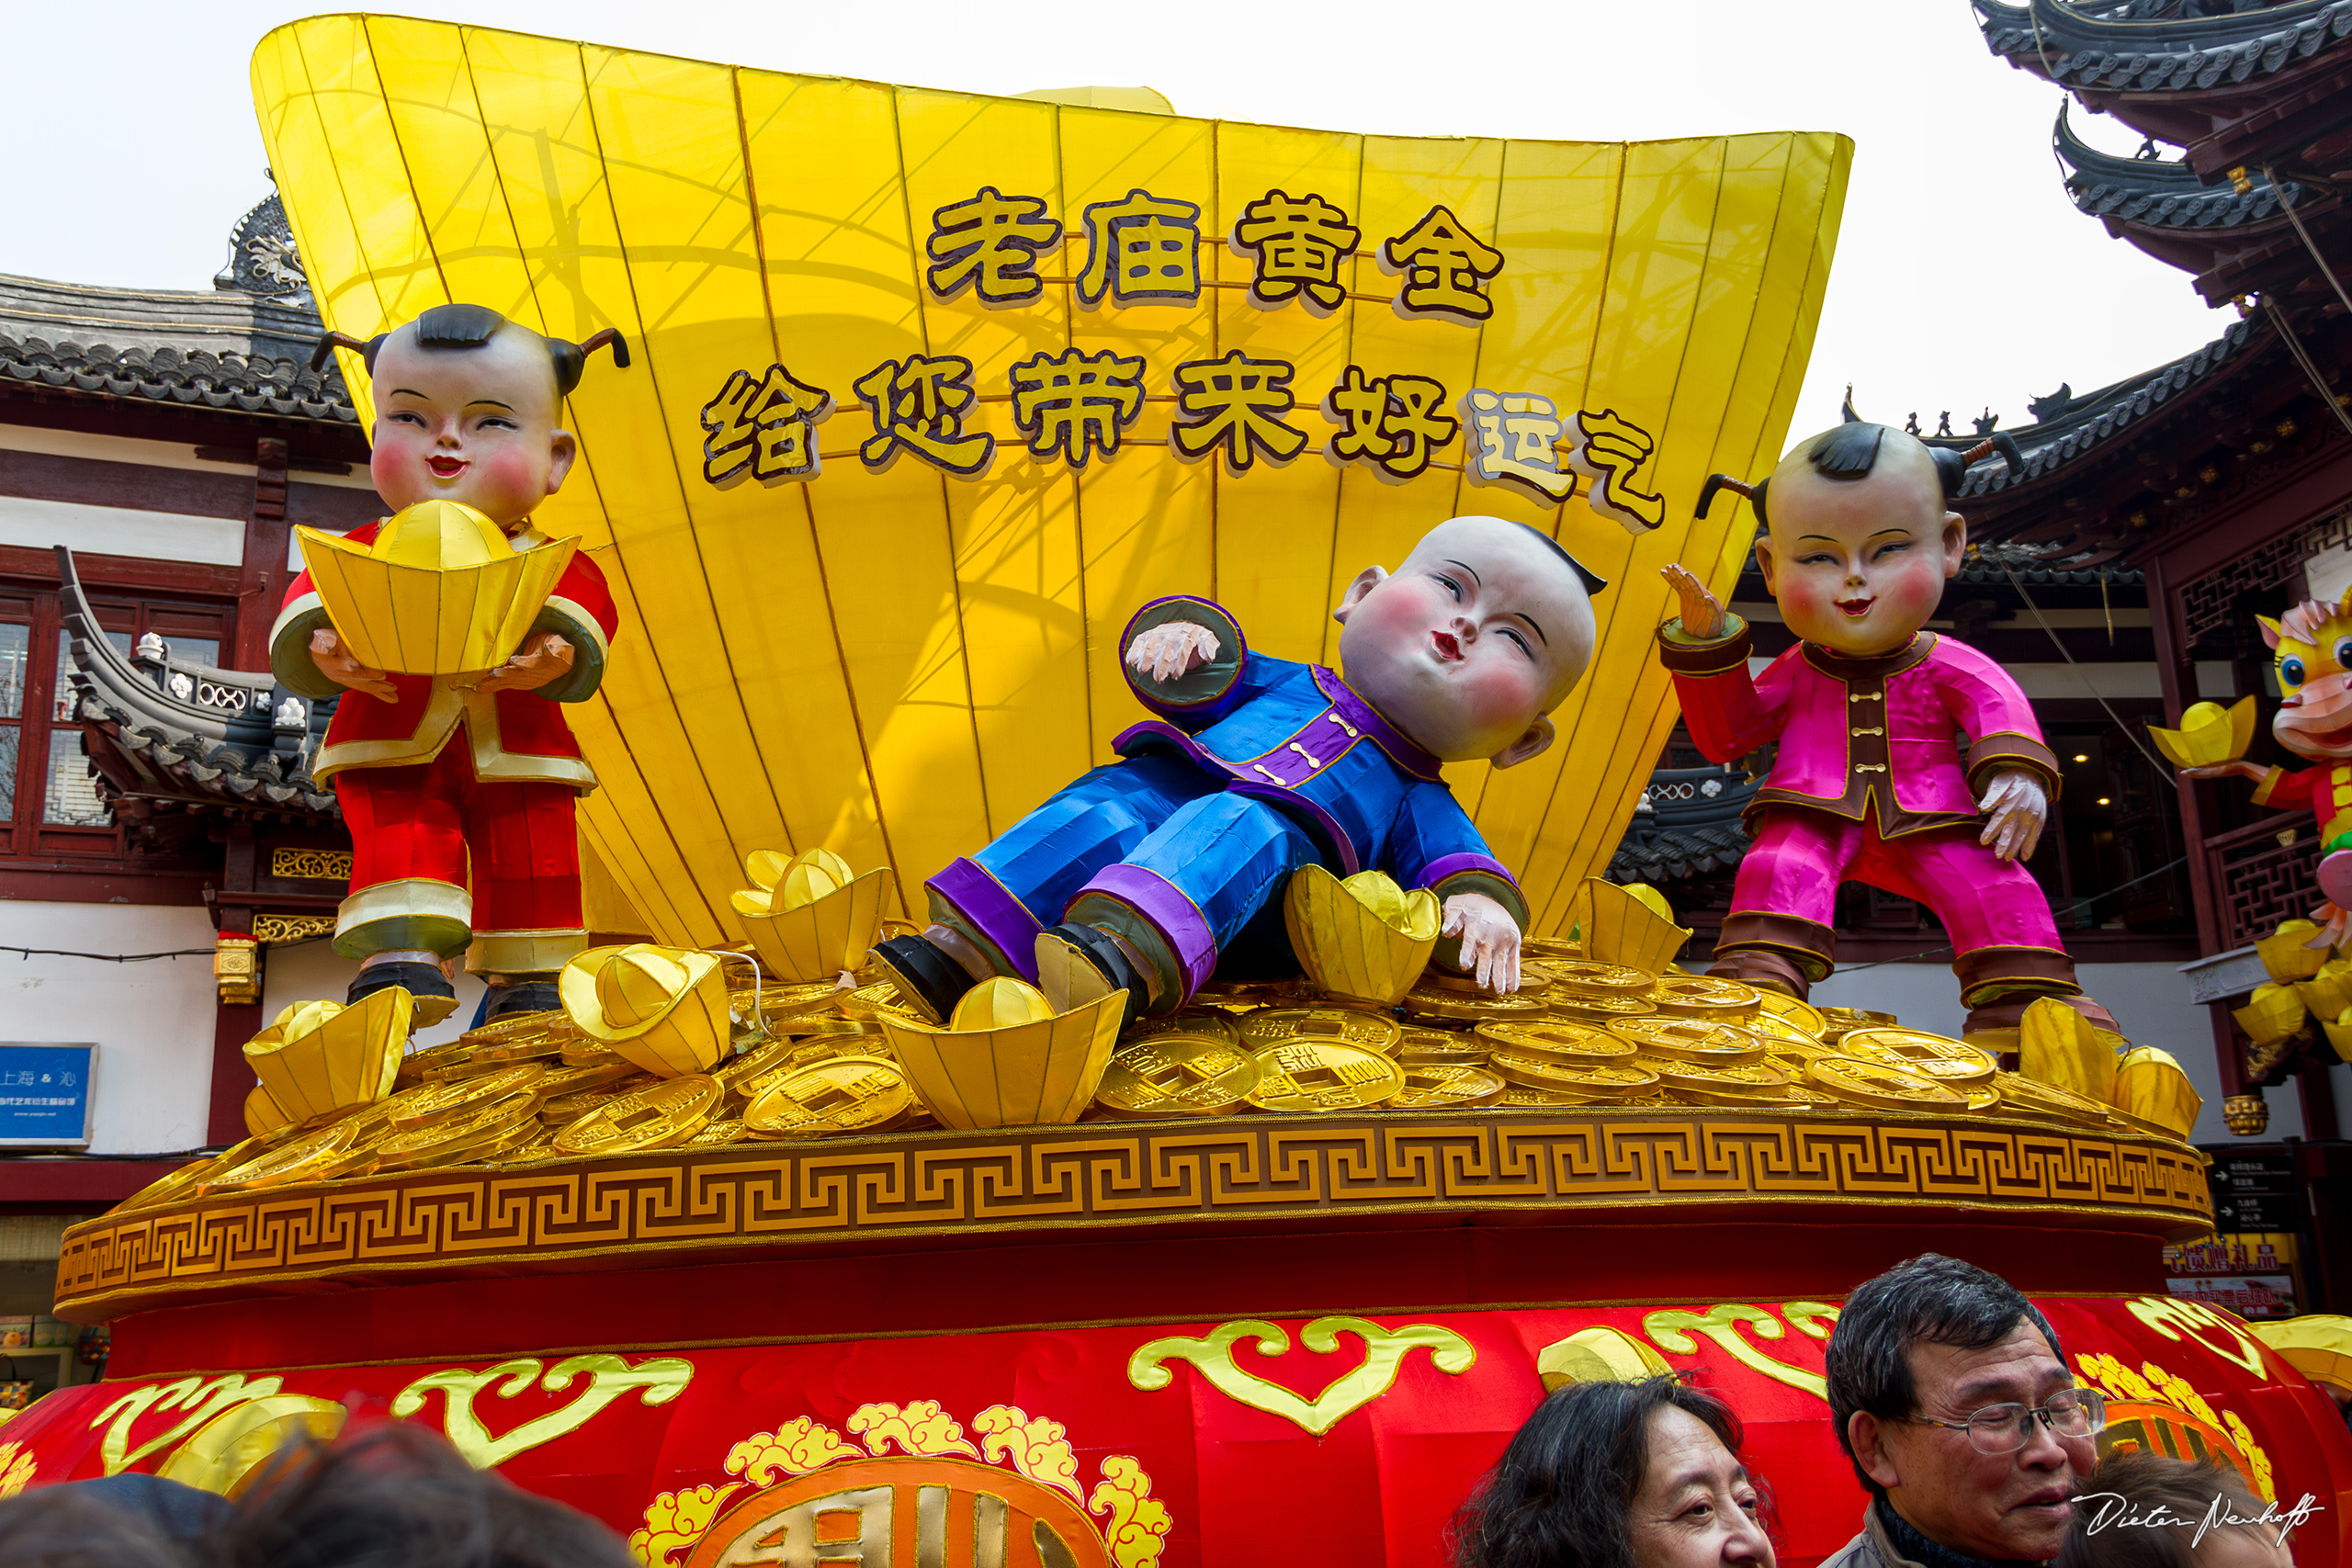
(321, 1057)
(809, 919)
(1004, 1060)
(440, 592)
(1365, 939)
(2151, 1086)
(950, 656)
(662, 1008)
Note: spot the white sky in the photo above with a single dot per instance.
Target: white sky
(1963, 277)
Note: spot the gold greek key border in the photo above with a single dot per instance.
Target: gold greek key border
(1100, 1176)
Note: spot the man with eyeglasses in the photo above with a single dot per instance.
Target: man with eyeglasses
(1953, 1399)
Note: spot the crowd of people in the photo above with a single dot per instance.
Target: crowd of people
(1947, 1391)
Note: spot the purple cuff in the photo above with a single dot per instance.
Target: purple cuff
(1438, 870)
(1197, 710)
(1172, 915)
(968, 888)
(1406, 753)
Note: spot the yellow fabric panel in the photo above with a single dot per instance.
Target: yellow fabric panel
(895, 664)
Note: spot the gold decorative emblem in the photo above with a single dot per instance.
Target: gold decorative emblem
(228, 1452)
(272, 930)
(310, 865)
(1323, 1074)
(657, 1381)
(1935, 1056)
(441, 590)
(1385, 1352)
(2158, 1399)
(1362, 940)
(16, 1468)
(1671, 1331)
(809, 916)
(203, 1398)
(236, 973)
(809, 1496)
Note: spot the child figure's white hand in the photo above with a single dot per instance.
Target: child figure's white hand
(335, 662)
(2019, 806)
(1490, 940)
(1171, 651)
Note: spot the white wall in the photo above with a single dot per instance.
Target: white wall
(151, 1021)
(2150, 1000)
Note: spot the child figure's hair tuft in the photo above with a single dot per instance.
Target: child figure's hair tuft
(455, 328)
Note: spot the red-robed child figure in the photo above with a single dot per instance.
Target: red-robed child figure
(1868, 784)
(459, 789)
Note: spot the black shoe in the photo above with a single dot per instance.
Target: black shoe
(1106, 958)
(522, 996)
(436, 998)
(930, 982)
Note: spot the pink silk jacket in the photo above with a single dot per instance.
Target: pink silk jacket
(1861, 737)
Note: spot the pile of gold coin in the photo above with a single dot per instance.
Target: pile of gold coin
(811, 1061)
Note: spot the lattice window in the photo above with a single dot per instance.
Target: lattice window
(2263, 882)
(2211, 601)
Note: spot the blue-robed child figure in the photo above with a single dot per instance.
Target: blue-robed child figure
(1144, 873)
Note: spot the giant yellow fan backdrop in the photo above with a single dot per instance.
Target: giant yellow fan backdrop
(934, 390)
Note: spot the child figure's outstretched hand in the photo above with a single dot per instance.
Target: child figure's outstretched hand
(335, 662)
(2019, 806)
(1490, 940)
(541, 660)
(1171, 651)
(1703, 612)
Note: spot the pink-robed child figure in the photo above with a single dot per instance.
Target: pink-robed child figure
(1868, 784)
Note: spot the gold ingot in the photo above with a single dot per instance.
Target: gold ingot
(2329, 991)
(1178, 1075)
(658, 1116)
(2023, 1096)
(1311, 1075)
(1570, 1082)
(1364, 940)
(1932, 1056)
(1751, 1083)
(1689, 1039)
(2057, 1046)
(304, 1159)
(1345, 1026)
(2209, 734)
(230, 1452)
(1600, 1012)
(262, 1113)
(844, 1094)
(1579, 1044)
(1782, 1005)
(662, 1007)
(1005, 1059)
(2271, 1014)
(2318, 1345)
(1599, 1354)
(1705, 996)
(2151, 1086)
(1444, 1087)
(423, 1107)
(2286, 953)
(321, 1057)
(1618, 926)
(1432, 1047)
(2339, 1032)
(809, 918)
(1880, 1087)
(451, 1141)
(441, 591)
(1838, 1022)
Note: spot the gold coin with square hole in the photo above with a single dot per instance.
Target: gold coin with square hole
(1880, 1087)
(1308, 1075)
(1444, 1086)
(1603, 1011)
(1559, 1039)
(656, 1117)
(1357, 1027)
(1178, 1075)
(1689, 1039)
(1435, 1046)
(1930, 1055)
(841, 1094)
(1709, 997)
(1590, 1082)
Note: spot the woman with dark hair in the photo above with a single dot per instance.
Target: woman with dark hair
(1618, 1475)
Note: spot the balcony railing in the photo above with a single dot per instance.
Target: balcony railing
(2259, 881)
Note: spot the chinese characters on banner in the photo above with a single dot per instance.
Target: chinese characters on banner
(1144, 249)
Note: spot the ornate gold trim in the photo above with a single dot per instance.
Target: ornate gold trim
(310, 865)
(270, 928)
(1107, 1176)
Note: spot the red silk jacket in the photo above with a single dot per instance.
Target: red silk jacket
(517, 736)
(1861, 737)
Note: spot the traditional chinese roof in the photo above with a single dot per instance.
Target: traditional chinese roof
(226, 349)
(1686, 826)
(171, 740)
(2256, 81)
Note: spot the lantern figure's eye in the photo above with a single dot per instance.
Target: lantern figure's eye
(2291, 671)
(2344, 653)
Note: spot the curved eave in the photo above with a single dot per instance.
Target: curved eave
(2162, 193)
(2168, 55)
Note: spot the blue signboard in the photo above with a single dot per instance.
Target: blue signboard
(45, 1094)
